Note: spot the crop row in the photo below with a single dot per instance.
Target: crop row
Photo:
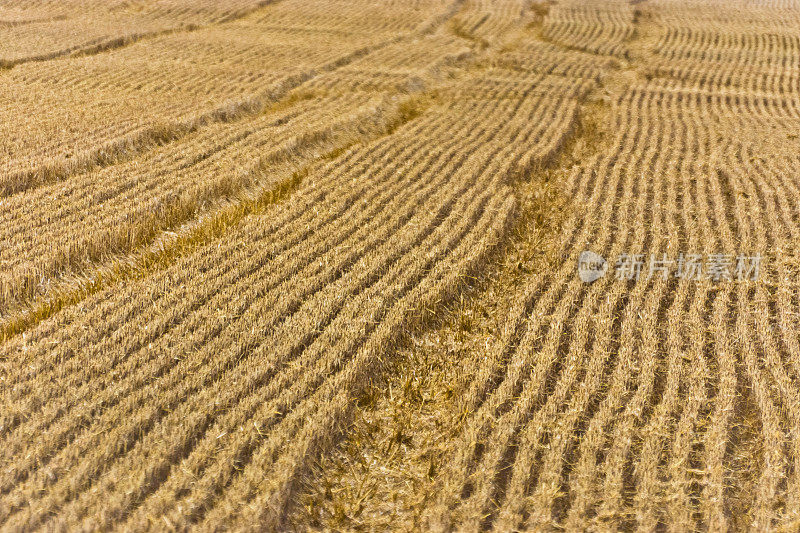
(121, 207)
(39, 32)
(746, 47)
(595, 27)
(618, 404)
(334, 278)
(43, 31)
(72, 226)
(214, 74)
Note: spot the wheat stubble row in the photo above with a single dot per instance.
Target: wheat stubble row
(606, 416)
(597, 27)
(74, 224)
(623, 405)
(38, 32)
(157, 90)
(617, 405)
(454, 216)
(202, 393)
(126, 205)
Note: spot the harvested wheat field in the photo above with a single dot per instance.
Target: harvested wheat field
(450, 265)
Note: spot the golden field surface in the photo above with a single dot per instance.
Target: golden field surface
(290, 265)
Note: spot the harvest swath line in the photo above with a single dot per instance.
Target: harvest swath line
(13, 23)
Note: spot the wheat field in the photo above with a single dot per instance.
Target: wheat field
(291, 265)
